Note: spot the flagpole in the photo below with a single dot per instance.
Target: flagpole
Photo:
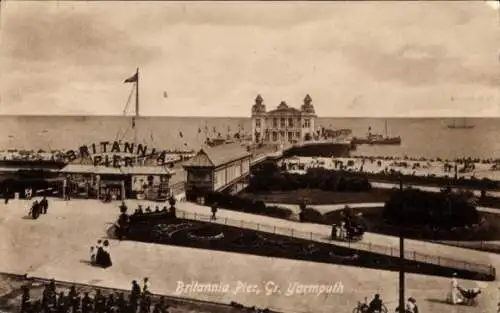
(136, 104)
(137, 94)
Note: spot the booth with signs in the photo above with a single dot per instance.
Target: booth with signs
(117, 171)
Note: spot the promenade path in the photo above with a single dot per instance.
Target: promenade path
(57, 245)
(430, 188)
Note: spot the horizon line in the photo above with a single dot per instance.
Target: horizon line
(235, 116)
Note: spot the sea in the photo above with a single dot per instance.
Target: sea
(421, 137)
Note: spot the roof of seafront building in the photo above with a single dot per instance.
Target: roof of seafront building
(218, 156)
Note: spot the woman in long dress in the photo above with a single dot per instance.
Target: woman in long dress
(455, 296)
(103, 258)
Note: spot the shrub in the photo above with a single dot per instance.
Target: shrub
(310, 215)
(237, 203)
(444, 210)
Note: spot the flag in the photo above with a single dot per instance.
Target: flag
(132, 79)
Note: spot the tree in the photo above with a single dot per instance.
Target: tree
(415, 208)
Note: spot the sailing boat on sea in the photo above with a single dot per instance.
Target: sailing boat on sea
(462, 125)
(377, 139)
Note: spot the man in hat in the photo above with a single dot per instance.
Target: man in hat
(375, 305)
(44, 205)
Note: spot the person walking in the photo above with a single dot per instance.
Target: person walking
(214, 212)
(44, 205)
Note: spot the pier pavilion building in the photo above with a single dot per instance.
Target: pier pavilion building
(216, 169)
(284, 124)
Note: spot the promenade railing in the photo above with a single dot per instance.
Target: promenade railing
(357, 245)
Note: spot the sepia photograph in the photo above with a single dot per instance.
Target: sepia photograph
(249, 156)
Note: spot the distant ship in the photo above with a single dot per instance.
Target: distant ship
(377, 139)
(462, 125)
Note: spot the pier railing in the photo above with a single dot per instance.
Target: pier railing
(360, 246)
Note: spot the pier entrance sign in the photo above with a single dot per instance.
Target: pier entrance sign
(117, 154)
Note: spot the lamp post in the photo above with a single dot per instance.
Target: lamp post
(401, 256)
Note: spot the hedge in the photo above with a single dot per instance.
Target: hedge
(236, 203)
(270, 177)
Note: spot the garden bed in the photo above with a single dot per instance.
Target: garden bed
(180, 232)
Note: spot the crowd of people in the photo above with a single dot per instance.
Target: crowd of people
(376, 305)
(61, 300)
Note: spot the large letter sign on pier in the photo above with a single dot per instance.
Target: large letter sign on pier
(116, 154)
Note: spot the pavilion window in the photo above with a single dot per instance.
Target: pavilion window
(257, 122)
(275, 136)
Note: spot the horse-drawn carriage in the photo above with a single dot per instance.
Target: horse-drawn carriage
(122, 226)
(469, 295)
(347, 232)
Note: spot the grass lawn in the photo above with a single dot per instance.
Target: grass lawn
(318, 197)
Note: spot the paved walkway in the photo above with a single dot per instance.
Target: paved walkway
(430, 188)
(56, 245)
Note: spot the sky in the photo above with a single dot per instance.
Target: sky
(367, 59)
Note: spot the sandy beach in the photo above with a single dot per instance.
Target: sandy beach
(407, 167)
